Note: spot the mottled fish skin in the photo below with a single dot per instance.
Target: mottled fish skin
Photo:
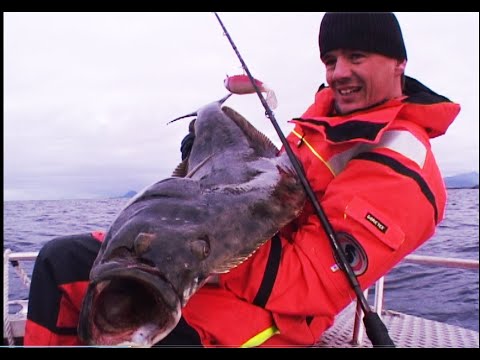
(225, 200)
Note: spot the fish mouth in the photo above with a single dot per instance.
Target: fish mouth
(130, 305)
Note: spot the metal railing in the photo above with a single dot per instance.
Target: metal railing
(14, 258)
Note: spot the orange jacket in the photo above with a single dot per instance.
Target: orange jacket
(376, 178)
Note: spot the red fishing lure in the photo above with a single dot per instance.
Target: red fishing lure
(241, 84)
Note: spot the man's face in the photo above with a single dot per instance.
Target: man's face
(361, 79)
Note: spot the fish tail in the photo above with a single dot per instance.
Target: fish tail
(271, 98)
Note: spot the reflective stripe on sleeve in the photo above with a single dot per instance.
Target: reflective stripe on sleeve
(261, 337)
(405, 143)
(402, 142)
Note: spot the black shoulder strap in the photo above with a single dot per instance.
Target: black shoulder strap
(270, 274)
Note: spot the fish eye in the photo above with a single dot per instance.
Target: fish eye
(201, 247)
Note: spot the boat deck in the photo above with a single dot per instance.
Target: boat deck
(406, 331)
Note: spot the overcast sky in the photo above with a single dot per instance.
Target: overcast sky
(87, 95)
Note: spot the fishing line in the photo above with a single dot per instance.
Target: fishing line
(374, 327)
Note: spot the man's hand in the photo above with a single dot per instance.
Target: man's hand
(187, 142)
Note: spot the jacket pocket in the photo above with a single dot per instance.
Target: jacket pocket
(379, 224)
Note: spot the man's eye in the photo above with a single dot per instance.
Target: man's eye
(356, 56)
(329, 62)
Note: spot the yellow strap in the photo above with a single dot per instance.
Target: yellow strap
(314, 152)
(261, 337)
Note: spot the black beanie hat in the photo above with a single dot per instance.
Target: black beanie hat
(373, 32)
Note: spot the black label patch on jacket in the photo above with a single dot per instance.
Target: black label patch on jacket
(378, 224)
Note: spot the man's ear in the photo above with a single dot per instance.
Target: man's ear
(400, 67)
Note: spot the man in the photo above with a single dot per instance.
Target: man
(364, 145)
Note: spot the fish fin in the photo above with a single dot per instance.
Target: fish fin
(182, 169)
(199, 165)
(259, 141)
(271, 99)
(232, 189)
(234, 262)
(212, 279)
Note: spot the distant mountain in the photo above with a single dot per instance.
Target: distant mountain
(462, 181)
(129, 194)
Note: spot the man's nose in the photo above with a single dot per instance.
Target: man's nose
(342, 69)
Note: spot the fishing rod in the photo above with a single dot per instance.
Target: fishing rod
(374, 327)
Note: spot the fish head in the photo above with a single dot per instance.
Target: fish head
(154, 257)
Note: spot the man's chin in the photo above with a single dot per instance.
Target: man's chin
(348, 108)
(345, 109)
